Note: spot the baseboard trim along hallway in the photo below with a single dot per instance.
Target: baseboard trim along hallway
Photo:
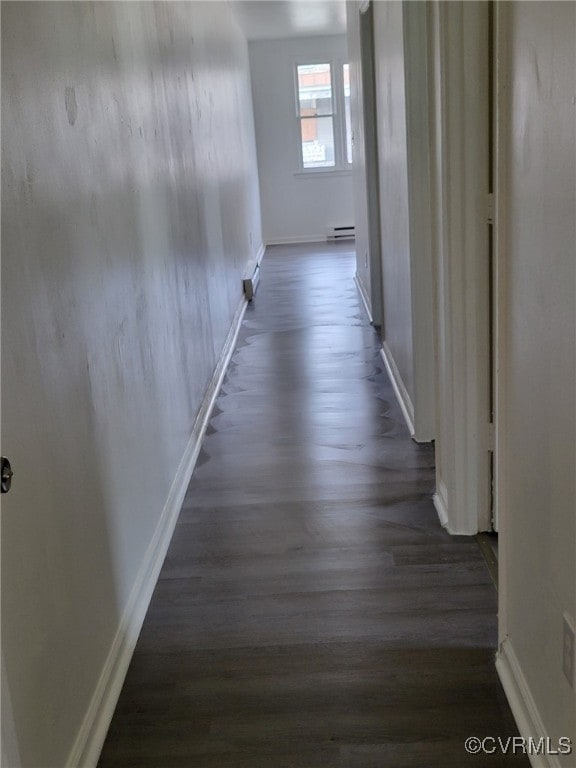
(311, 612)
(399, 389)
(364, 297)
(90, 739)
(523, 705)
(439, 500)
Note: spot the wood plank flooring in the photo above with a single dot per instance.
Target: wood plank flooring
(311, 612)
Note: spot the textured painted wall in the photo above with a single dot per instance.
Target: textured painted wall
(129, 210)
(538, 522)
(294, 207)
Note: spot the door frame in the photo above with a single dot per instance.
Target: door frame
(460, 162)
(367, 73)
(500, 125)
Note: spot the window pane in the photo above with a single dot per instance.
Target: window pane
(315, 89)
(347, 113)
(317, 142)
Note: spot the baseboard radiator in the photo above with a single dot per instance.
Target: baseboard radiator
(341, 232)
(250, 282)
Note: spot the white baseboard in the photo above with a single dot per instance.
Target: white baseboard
(441, 507)
(90, 740)
(296, 240)
(399, 388)
(260, 253)
(440, 501)
(522, 703)
(364, 297)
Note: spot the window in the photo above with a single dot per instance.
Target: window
(347, 113)
(323, 111)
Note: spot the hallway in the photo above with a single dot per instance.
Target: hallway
(311, 611)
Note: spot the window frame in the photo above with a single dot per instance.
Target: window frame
(341, 165)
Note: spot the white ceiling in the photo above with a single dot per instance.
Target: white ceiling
(276, 19)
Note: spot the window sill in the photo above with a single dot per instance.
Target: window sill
(320, 172)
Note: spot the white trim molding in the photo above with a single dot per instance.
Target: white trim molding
(90, 739)
(260, 253)
(522, 703)
(364, 298)
(440, 504)
(419, 150)
(399, 388)
(460, 163)
(296, 240)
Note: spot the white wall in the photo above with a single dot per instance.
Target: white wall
(364, 155)
(405, 225)
(537, 411)
(393, 169)
(129, 199)
(296, 207)
(358, 153)
(420, 223)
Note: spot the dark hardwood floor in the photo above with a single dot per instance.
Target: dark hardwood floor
(311, 612)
